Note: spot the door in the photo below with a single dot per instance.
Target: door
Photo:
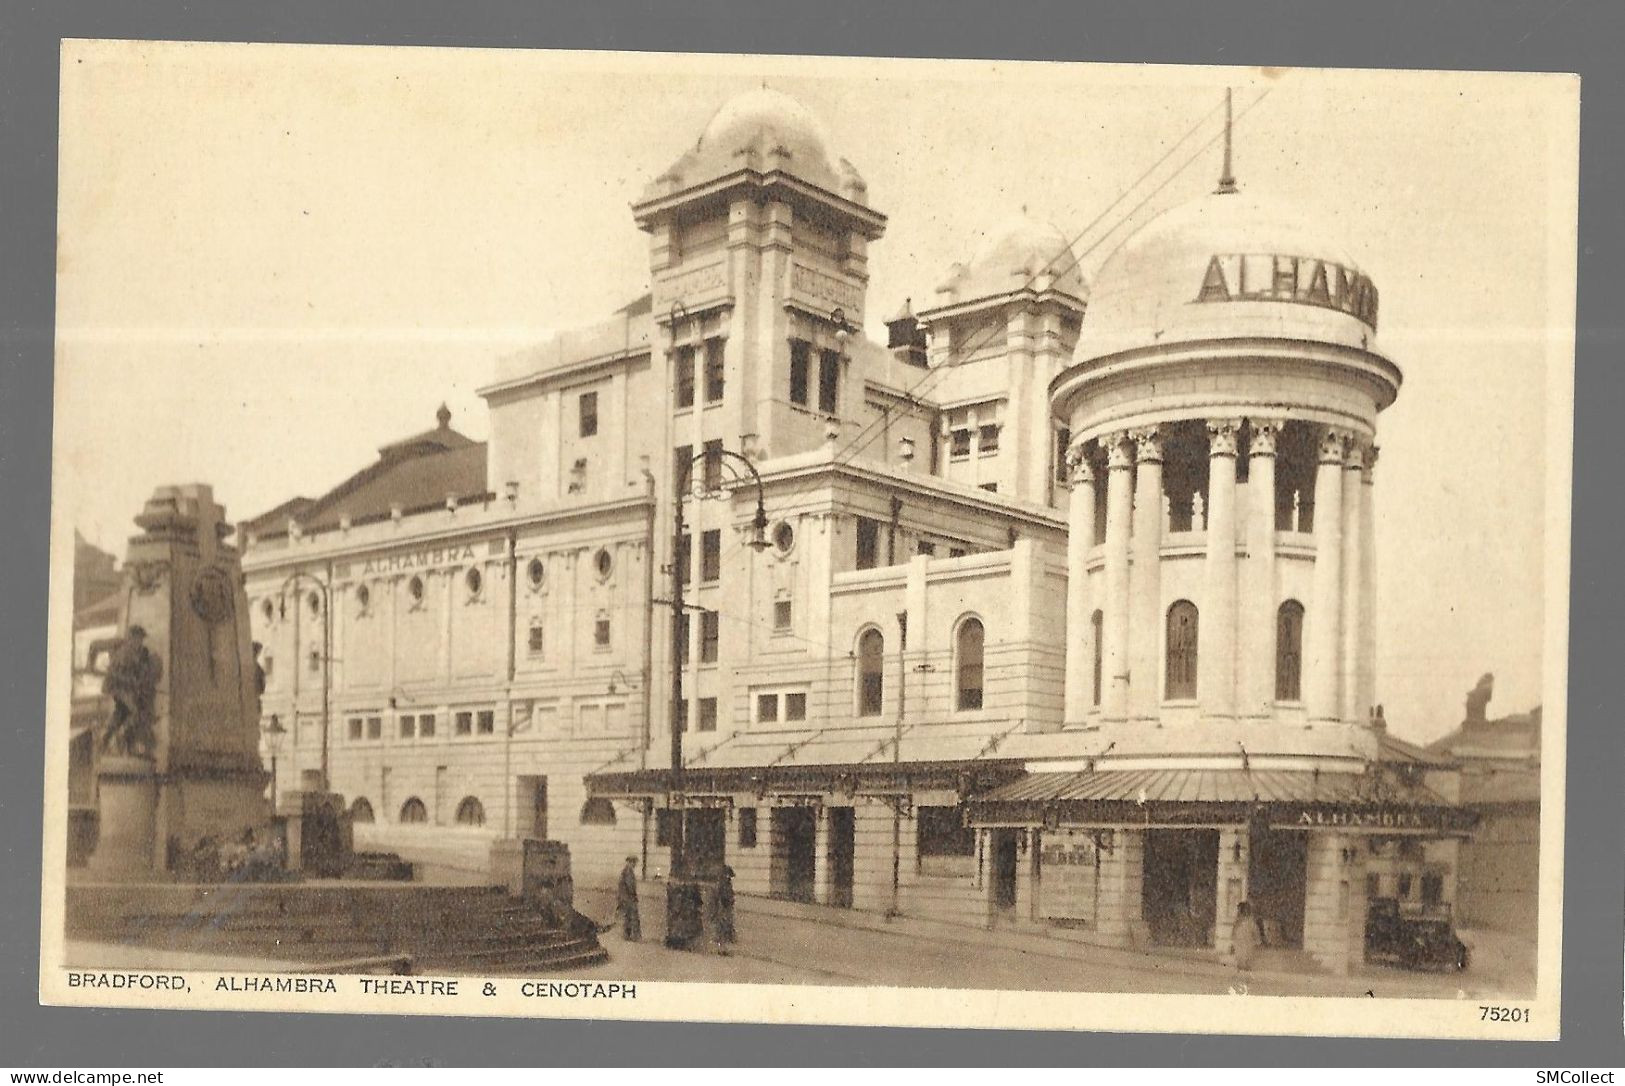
(1277, 878)
(1004, 869)
(1179, 888)
(793, 832)
(705, 837)
(842, 826)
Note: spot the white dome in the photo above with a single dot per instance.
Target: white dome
(1204, 270)
(764, 129)
(1022, 251)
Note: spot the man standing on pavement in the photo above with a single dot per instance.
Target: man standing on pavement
(722, 911)
(626, 901)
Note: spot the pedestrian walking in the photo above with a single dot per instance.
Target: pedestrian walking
(626, 901)
(1244, 937)
(722, 911)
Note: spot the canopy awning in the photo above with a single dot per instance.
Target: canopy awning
(1372, 802)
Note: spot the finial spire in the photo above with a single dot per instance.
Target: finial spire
(1227, 180)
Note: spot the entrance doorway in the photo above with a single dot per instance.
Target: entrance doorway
(1277, 880)
(532, 817)
(1179, 900)
(842, 841)
(705, 839)
(794, 833)
(1005, 858)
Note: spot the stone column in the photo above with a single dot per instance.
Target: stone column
(1079, 631)
(1114, 619)
(821, 865)
(1145, 621)
(1353, 573)
(1258, 621)
(1323, 626)
(1367, 650)
(1216, 632)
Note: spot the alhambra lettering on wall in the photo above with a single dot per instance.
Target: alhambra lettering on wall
(426, 558)
(822, 287)
(1269, 277)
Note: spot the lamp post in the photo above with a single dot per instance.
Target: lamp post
(274, 732)
(683, 895)
(292, 580)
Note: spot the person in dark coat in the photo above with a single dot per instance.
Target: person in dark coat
(722, 911)
(626, 901)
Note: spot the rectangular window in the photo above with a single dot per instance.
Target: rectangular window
(868, 543)
(987, 439)
(710, 635)
(534, 642)
(588, 405)
(795, 706)
(943, 843)
(747, 827)
(485, 722)
(683, 363)
(685, 559)
(782, 614)
(713, 465)
(375, 727)
(464, 723)
(708, 715)
(600, 633)
(711, 554)
(715, 372)
(682, 461)
(408, 726)
(589, 717)
(959, 443)
(767, 708)
(926, 547)
(425, 725)
(829, 381)
(354, 725)
(800, 371)
(956, 552)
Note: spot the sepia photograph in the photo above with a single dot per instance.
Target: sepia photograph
(790, 539)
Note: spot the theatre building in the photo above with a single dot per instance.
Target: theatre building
(1060, 615)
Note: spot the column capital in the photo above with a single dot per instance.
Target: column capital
(1334, 443)
(1119, 453)
(1078, 468)
(1359, 456)
(1264, 433)
(1370, 463)
(1221, 436)
(1147, 445)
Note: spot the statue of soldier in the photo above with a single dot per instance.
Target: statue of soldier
(132, 678)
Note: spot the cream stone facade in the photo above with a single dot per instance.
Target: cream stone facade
(1063, 618)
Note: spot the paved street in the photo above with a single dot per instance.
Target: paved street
(783, 943)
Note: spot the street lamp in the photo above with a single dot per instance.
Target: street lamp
(292, 580)
(682, 894)
(274, 733)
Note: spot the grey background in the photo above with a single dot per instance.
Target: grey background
(1578, 36)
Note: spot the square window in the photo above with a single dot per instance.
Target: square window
(800, 370)
(354, 724)
(588, 406)
(375, 727)
(926, 547)
(715, 372)
(795, 706)
(535, 639)
(408, 726)
(767, 708)
(463, 723)
(683, 362)
(600, 633)
(485, 722)
(710, 636)
(959, 443)
(782, 613)
(747, 827)
(425, 725)
(711, 554)
(956, 552)
(987, 439)
(708, 714)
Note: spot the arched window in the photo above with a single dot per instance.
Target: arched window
(968, 664)
(413, 811)
(871, 672)
(1181, 650)
(1097, 625)
(361, 810)
(470, 812)
(1289, 651)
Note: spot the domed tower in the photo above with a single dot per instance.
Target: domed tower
(1223, 408)
(1006, 323)
(759, 252)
